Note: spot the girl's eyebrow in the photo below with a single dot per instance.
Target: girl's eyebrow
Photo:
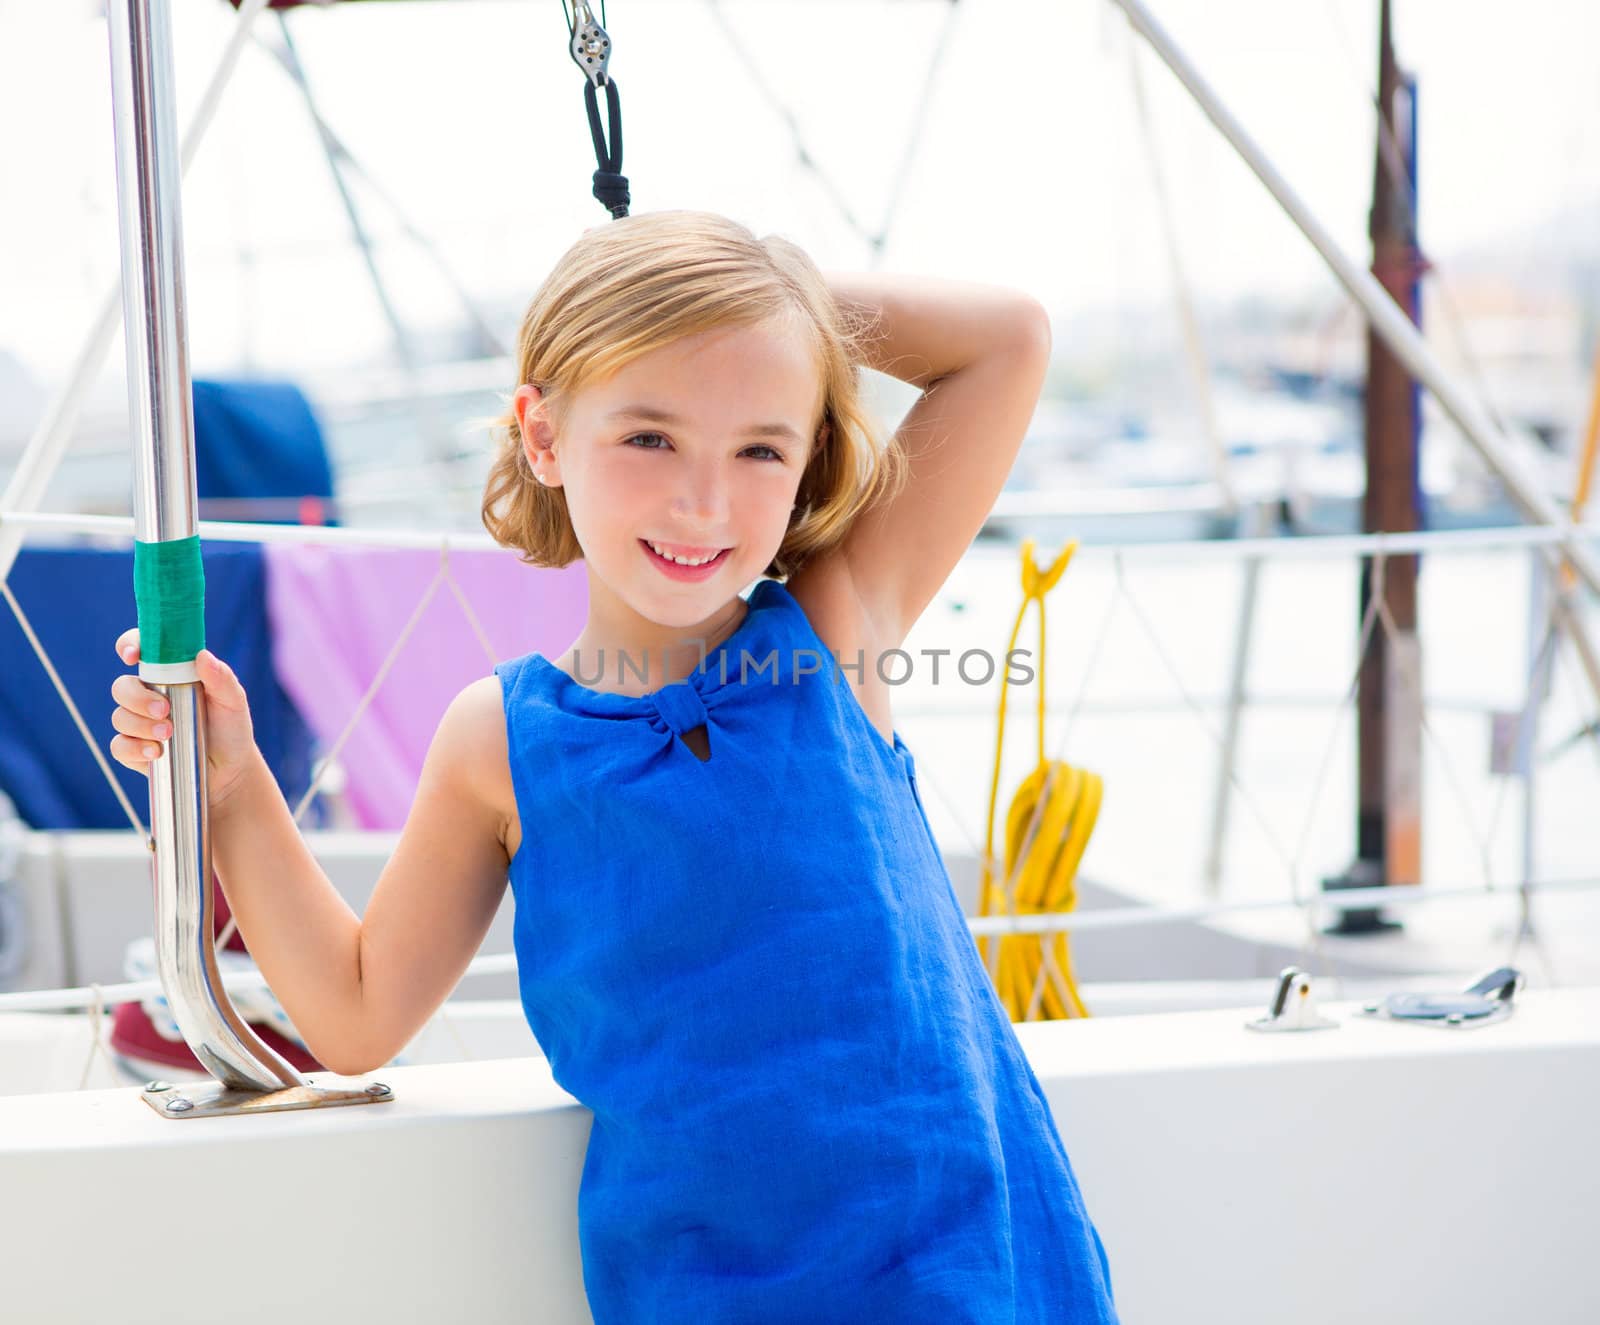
(655, 414)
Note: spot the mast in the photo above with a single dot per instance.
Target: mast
(1388, 699)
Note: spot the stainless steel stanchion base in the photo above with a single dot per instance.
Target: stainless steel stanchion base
(211, 1099)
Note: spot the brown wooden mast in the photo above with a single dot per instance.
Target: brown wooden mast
(1389, 702)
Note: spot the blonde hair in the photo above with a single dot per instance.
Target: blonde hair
(642, 282)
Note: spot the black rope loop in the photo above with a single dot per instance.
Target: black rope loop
(610, 184)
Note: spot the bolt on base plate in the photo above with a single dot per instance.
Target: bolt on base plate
(212, 1099)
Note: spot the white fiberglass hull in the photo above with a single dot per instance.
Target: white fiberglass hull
(1379, 1172)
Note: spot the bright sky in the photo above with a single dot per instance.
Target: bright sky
(1032, 169)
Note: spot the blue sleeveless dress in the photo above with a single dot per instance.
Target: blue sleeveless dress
(808, 1102)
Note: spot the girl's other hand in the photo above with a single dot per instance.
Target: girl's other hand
(143, 720)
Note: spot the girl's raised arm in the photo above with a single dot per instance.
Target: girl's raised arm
(979, 354)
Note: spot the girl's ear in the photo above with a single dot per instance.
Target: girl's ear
(538, 437)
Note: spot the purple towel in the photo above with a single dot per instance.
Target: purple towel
(336, 613)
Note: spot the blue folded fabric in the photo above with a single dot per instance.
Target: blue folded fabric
(257, 439)
(78, 601)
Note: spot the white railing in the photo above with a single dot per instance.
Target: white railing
(1311, 903)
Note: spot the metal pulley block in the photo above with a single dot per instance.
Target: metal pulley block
(591, 45)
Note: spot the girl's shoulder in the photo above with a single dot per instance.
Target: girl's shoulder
(473, 750)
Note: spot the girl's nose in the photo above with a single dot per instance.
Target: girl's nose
(702, 499)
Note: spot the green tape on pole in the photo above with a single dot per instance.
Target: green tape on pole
(169, 589)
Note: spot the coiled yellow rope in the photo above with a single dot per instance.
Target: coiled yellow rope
(1047, 828)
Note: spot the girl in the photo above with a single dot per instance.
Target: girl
(736, 940)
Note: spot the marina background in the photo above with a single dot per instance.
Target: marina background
(1028, 163)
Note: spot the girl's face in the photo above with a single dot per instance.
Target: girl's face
(696, 450)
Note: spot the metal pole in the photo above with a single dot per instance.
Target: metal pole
(1544, 640)
(1233, 714)
(1385, 316)
(165, 508)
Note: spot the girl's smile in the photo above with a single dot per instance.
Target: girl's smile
(693, 564)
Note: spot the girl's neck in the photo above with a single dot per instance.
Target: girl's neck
(620, 652)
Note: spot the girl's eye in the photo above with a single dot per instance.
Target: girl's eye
(772, 453)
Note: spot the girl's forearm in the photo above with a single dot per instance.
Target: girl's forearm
(929, 328)
(301, 933)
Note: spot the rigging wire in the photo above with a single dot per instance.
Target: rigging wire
(1188, 319)
(875, 240)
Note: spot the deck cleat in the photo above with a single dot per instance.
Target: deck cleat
(1293, 1007)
